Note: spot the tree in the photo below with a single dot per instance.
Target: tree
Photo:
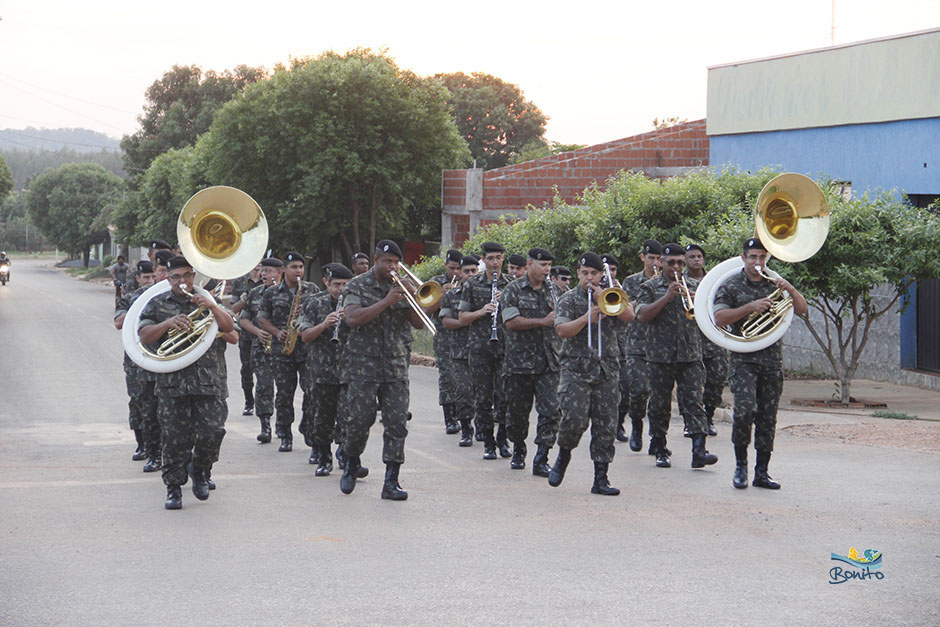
(337, 149)
(70, 205)
(493, 116)
(6, 179)
(665, 123)
(538, 148)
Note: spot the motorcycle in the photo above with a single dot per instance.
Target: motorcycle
(4, 273)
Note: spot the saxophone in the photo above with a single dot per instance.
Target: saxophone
(291, 340)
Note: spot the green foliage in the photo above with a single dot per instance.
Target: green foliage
(70, 205)
(493, 116)
(659, 125)
(338, 150)
(538, 148)
(6, 179)
(893, 415)
(26, 164)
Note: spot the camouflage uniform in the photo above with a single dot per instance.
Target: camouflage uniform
(485, 358)
(240, 289)
(262, 364)
(463, 400)
(276, 305)
(446, 383)
(192, 400)
(589, 385)
(674, 359)
(142, 404)
(323, 380)
(374, 364)
(636, 369)
(531, 364)
(756, 378)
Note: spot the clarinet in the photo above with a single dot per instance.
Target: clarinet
(339, 305)
(493, 300)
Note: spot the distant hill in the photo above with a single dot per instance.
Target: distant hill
(75, 139)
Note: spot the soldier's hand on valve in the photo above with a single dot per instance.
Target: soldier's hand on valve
(760, 305)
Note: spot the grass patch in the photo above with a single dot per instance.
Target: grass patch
(893, 415)
(423, 342)
(806, 375)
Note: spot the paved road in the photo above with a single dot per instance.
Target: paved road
(84, 538)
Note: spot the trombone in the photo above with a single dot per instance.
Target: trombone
(688, 303)
(426, 294)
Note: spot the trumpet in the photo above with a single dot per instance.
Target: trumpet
(612, 300)
(426, 294)
(688, 303)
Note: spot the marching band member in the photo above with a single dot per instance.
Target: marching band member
(240, 287)
(447, 385)
(460, 330)
(516, 267)
(714, 357)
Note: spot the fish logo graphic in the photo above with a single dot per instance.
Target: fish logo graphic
(869, 558)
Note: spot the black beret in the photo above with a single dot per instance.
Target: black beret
(178, 261)
(561, 271)
(540, 254)
(672, 249)
(159, 244)
(492, 247)
(387, 246)
(144, 267)
(339, 271)
(469, 260)
(691, 247)
(272, 262)
(517, 259)
(754, 242)
(293, 255)
(360, 256)
(652, 247)
(610, 260)
(454, 255)
(591, 260)
(163, 257)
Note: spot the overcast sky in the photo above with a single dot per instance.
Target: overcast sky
(599, 70)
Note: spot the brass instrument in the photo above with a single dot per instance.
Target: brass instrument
(266, 344)
(756, 323)
(290, 342)
(181, 341)
(688, 303)
(426, 295)
(612, 300)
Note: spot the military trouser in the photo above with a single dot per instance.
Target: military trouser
(520, 390)
(463, 390)
(132, 385)
(245, 341)
(716, 373)
(624, 407)
(486, 377)
(638, 375)
(757, 389)
(327, 423)
(192, 428)
(263, 367)
(687, 377)
(360, 416)
(446, 383)
(287, 374)
(147, 402)
(585, 399)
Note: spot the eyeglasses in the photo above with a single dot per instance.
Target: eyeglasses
(176, 278)
(564, 279)
(675, 262)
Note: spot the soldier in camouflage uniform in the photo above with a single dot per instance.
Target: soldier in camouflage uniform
(636, 344)
(561, 279)
(516, 267)
(459, 334)
(614, 264)
(447, 385)
(674, 359)
(192, 400)
(714, 357)
(240, 288)
(531, 361)
(374, 365)
(262, 361)
(142, 405)
(359, 264)
(756, 378)
(322, 328)
(588, 385)
(478, 307)
(277, 309)
(156, 246)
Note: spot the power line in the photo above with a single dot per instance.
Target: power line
(97, 104)
(60, 106)
(59, 141)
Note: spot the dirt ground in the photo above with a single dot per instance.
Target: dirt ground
(914, 435)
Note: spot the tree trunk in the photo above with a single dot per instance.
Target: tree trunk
(85, 256)
(372, 220)
(355, 224)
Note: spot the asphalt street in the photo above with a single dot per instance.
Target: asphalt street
(84, 538)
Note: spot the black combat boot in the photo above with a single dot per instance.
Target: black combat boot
(249, 408)
(540, 462)
(340, 456)
(636, 435)
(265, 436)
(391, 490)
(601, 483)
(347, 482)
(761, 478)
(141, 452)
(621, 434)
(287, 443)
(174, 497)
(740, 468)
(451, 426)
(654, 447)
(701, 457)
(479, 437)
(209, 480)
(200, 484)
(489, 446)
(557, 473)
(314, 455)
(156, 459)
(502, 442)
(518, 456)
(709, 416)
(658, 446)
(326, 464)
(466, 433)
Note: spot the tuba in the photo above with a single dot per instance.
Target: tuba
(223, 233)
(792, 221)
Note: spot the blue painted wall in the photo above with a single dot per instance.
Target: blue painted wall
(889, 155)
